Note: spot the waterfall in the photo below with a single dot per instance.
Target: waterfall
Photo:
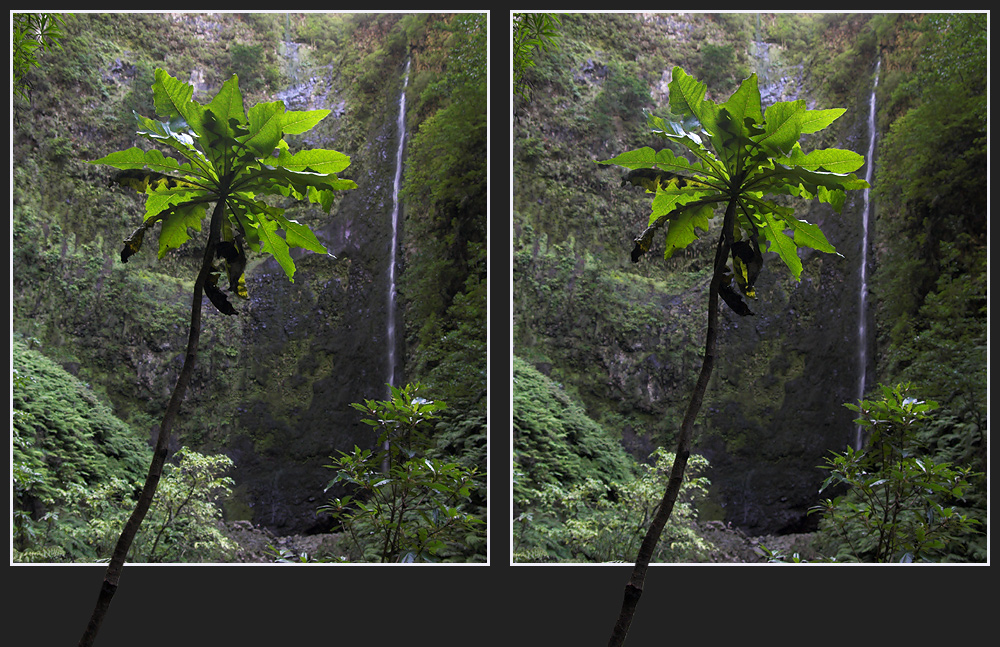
(391, 320)
(863, 309)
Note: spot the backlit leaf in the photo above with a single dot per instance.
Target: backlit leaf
(174, 228)
(299, 121)
(780, 243)
(316, 160)
(680, 229)
(172, 98)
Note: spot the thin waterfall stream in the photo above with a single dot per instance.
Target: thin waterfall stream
(865, 214)
(391, 318)
(390, 332)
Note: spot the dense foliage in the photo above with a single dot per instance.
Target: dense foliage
(596, 521)
(77, 469)
(578, 496)
(900, 505)
(405, 506)
(531, 31)
(931, 187)
(33, 35)
(445, 283)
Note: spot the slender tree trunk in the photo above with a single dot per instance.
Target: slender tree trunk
(633, 589)
(117, 563)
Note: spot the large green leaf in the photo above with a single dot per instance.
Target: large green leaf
(157, 201)
(680, 229)
(316, 160)
(779, 242)
(295, 122)
(174, 228)
(136, 158)
(834, 160)
(745, 102)
(228, 103)
(810, 235)
(816, 120)
(298, 235)
(174, 134)
(272, 243)
(172, 98)
(265, 121)
(669, 200)
(687, 98)
(782, 126)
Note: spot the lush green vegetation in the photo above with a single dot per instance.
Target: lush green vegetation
(405, 506)
(578, 496)
(531, 31)
(931, 281)
(900, 502)
(444, 195)
(901, 505)
(33, 36)
(77, 470)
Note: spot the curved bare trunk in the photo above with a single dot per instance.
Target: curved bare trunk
(633, 589)
(111, 577)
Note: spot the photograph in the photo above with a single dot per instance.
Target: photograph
(248, 301)
(749, 306)
(749, 312)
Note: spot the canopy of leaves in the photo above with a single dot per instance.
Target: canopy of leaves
(739, 151)
(227, 154)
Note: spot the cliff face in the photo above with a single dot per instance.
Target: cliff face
(312, 347)
(625, 339)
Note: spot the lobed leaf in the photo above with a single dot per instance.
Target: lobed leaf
(265, 122)
(158, 201)
(172, 98)
(782, 126)
(680, 229)
(272, 243)
(779, 242)
(299, 235)
(317, 160)
(136, 158)
(816, 120)
(833, 160)
(228, 103)
(687, 98)
(174, 228)
(745, 102)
